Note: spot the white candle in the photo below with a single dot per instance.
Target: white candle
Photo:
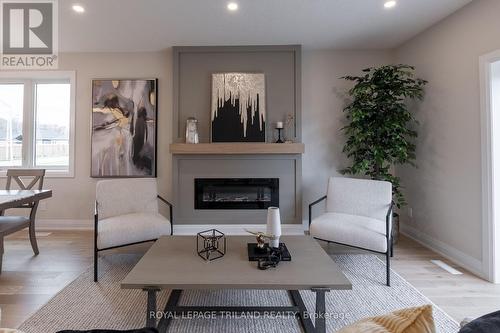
(279, 124)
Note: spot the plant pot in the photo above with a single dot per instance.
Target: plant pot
(395, 228)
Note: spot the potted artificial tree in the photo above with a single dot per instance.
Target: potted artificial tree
(381, 130)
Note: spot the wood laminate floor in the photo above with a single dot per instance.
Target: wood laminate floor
(28, 282)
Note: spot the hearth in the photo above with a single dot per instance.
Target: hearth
(236, 193)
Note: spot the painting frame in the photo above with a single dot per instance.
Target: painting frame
(263, 100)
(154, 163)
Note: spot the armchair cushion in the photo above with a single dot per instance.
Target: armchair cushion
(365, 197)
(125, 196)
(352, 230)
(131, 228)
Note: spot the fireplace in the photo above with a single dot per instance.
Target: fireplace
(236, 193)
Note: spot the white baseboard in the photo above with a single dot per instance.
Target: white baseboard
(305, 224)
(179, 229)
(235, 229)
(449, 252)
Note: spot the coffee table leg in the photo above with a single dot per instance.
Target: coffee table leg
(319, 323)
(151, 307)
(320, 320)
(304, 317)
(173, 300)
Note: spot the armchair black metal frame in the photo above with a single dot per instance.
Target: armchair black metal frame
(96, 221)
(388, 232)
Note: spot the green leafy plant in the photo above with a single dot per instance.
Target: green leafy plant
(380, 131)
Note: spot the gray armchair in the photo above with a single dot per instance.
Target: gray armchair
(127, 213)
(358, 214)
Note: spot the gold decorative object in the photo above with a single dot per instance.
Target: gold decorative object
(261, 238)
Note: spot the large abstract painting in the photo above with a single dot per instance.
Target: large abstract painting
(238, 107)
(124, 116)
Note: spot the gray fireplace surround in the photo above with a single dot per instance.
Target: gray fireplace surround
(192, 70)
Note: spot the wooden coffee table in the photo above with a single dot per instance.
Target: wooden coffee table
(172, 263)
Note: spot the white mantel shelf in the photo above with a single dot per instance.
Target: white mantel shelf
(236, 148)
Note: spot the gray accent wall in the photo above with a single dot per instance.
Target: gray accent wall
(188, 168)
(193, 68)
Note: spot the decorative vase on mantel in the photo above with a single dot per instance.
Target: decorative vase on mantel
(192, 130)
(288, 131)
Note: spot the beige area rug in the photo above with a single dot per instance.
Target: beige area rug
(87, 305)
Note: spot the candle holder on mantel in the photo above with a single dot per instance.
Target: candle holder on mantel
(279, 127)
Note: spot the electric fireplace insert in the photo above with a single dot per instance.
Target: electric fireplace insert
(236, 193)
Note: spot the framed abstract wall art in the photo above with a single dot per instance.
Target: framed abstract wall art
(238, 112)
(124, 128)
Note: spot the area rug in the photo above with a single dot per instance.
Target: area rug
(87, 305)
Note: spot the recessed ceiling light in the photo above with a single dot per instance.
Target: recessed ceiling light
(390, 4)
(232, 6)
(78, 8)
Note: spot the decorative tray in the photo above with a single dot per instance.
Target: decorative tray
(254, 254)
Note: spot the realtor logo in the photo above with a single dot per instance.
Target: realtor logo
(28, 34)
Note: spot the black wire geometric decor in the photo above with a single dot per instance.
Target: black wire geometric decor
(211, 244)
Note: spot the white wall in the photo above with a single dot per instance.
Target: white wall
(323, 99)
(73, 197)
(445, 190)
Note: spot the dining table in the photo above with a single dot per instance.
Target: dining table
(16, 198)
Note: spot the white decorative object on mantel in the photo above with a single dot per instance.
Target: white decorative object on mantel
(192, 130)
(274, 226)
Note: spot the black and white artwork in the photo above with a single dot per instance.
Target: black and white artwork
(238, 107)
(124, 116)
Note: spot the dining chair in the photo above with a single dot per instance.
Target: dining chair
(25, 179)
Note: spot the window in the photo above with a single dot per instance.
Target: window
(11, 124)
(36, 122)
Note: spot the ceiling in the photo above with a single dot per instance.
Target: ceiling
(148, 25)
